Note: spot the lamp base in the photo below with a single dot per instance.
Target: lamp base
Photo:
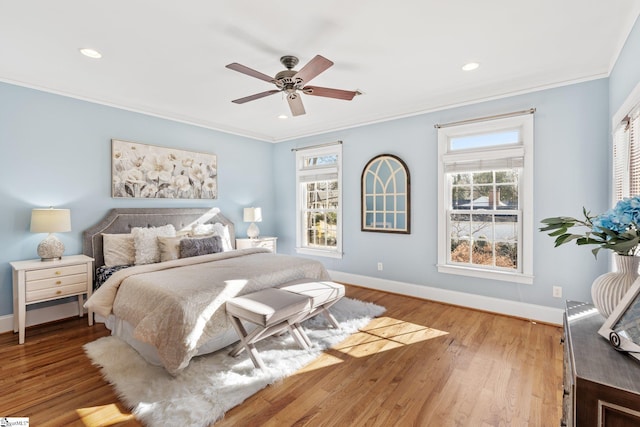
(253, 231)
(50, 249)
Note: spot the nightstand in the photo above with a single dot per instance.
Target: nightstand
(258, 242)
(38, 281)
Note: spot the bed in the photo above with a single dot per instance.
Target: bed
(173, 310)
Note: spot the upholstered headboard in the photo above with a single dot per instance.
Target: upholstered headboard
(124, 219)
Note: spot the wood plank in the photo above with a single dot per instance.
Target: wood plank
(420, 363)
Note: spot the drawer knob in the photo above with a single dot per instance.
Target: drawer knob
(58, 292)
(58, 272)
(58, 282)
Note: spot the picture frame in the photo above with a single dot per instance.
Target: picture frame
(151, 172)
(386, 195)
(622, 327)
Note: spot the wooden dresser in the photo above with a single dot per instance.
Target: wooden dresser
(601, 385)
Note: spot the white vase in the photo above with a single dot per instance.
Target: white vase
(607, 290)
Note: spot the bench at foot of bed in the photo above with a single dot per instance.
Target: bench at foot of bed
(276, 310)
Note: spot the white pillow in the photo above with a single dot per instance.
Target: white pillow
(216, 229)
(145, 241)
(118, 249)
(201, 229)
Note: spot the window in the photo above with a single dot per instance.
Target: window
(485, 177)
(319, 201)
(626, 156)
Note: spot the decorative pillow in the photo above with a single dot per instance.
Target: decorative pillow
(216, 229)
(169, 247)
(145, 241)
(223, 231)
(200, 229)
(202, 246)
(183, 232)
(104, 272)
(118, 249)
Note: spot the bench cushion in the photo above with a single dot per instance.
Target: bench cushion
(320, 292)
(268, 306)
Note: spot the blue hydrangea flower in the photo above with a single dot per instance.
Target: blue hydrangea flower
(624, 216)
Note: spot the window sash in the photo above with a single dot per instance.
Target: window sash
(493, 239)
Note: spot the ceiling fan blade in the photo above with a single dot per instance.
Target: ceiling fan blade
(255, 96)
(250, 72)
(314, 67)
(347, 95)
(295, 104)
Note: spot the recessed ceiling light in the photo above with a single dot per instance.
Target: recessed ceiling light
(470, 66)
(283, 116)
(91, 53)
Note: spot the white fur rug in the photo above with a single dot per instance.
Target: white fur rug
(213, 384)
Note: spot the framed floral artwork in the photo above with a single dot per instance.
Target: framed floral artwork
(151, 172)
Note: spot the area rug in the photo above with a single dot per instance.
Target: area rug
(213, 384)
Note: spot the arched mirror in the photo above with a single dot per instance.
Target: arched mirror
(386, 188)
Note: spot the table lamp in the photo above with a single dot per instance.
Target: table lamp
(50, 221)
(253, 215)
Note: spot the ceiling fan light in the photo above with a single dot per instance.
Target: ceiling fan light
(90, 53)
(470, 66)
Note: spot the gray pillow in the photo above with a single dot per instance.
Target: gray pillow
(203, 246)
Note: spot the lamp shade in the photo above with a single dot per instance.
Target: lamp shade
(252, 215)
(50, 220)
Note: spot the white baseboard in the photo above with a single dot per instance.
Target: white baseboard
(42, 315)
(538, 313)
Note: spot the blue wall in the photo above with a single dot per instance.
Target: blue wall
(56, 151)
(571, 171)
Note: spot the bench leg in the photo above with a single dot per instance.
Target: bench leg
(246, 342)
(299, 336)
(330, 317)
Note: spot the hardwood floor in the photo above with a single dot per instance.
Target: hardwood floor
(421, 363)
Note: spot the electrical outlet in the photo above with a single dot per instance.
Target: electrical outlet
(557, 291)
(379, 266)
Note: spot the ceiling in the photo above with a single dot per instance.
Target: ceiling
(167, 58)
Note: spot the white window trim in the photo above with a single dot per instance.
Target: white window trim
(630, 104)
(300, 155)
(525, 123)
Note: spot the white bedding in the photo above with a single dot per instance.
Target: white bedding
(178, 306)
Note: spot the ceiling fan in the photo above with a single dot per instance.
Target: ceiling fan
(291, 81)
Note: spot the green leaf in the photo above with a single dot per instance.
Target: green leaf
(554, 227)
(558, 232)
(566, 238)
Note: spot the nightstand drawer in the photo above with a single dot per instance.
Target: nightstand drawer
(264, 244)
(56, 282)
(46, 273)
(56, 292)
(260, 242)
